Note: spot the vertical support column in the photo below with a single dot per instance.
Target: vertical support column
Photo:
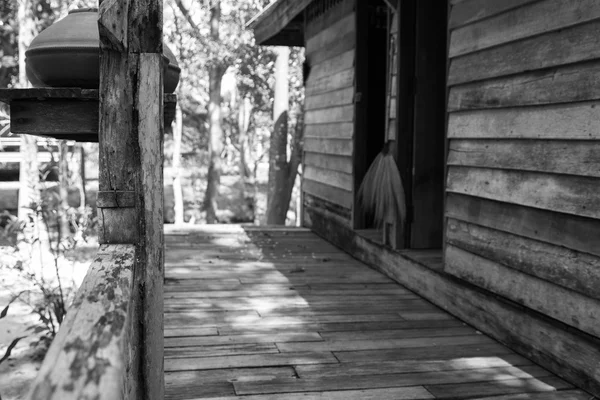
(130, 199)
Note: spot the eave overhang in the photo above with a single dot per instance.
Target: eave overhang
(281, 23)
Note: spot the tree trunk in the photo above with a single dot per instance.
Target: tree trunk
(81, 183)
(277, 205)
(248, 183)
(215, 129)
(77, 173)
(177, 191)
(28, 169)
(63, 187)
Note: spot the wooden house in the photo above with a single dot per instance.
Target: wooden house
(494, 109)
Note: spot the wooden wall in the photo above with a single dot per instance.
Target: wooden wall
(330, 35)
(523, 177)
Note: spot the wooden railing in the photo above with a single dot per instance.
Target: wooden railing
(95, 353)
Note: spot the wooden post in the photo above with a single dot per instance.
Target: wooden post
(130, 197)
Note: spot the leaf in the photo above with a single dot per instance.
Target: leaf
(10, 348)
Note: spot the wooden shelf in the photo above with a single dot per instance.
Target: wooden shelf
(62, 113)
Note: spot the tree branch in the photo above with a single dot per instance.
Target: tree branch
(188, 17)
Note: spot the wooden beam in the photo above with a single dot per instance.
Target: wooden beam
(131, 159)
(93, 335)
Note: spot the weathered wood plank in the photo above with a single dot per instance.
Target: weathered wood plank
(291, 385)
(337, 179)
(558, 395)
(526, 21)
(331, 162)
(330, 99)
(335, 13)
(342, 130)
(257, 360)
(403, 393)
(560, 85)
(94, 339)
(223, 350)
(375, 367)
(150, 250)
(358, 345)
(552, 86)
(574, 270)
(569, 231)
(474, 10)
(555, 301)
(331, 66)
(304, 310)
(330, 115)
(397, 334)
(468, 390)
(183, 378)
(66, 117)
(565, 46)
(568, 352)
(190, 332)
(330, 35)
(342, 44)
(561, 121)
(339, 80)
(192, 318)
(557, 156)
(183, 385)
(243, 339)
(338, 326)
(339, 147)
(564, 194)
(337, 196)
(420, 353)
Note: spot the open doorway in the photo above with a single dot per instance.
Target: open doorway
(370, 81)
(417, 114)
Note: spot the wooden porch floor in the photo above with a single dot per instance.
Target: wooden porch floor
(282, 314)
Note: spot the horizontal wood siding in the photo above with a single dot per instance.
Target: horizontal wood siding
(523, 177)
(329, 116)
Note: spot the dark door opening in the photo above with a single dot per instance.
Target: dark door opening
(370, 81)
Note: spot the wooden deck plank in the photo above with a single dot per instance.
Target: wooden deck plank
(509, 386)
(560, 395)
(405, 393)
(397, 333)
(339, 326)
(244, 361)
(424, 353)
(234, 349)
(281, 314)
(462, 377)
(406, 366)
(240, 339)
(369, 344)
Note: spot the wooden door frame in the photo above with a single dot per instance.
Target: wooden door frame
(405, 102)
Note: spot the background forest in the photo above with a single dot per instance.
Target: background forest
(232, 155)
(216, 169)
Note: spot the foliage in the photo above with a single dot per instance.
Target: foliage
(46, 293)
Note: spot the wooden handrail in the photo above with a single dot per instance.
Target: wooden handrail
(94, 353)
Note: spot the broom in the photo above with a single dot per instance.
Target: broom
(381, 191)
